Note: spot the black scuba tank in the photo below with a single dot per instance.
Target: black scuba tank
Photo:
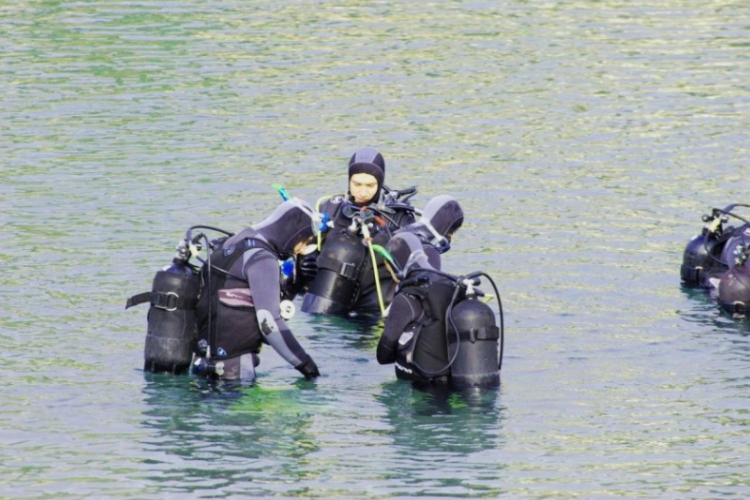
(476, 363)
(699, 262)
(734, 290)
(171, 321)
(336, 286)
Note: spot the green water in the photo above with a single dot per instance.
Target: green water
(583, 139)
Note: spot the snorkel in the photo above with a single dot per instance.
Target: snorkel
(282, 192)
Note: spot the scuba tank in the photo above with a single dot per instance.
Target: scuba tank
(474, 338)
(734, 290)
(336, 286)
(341, 282)
(172, 327)
(699, 261)
(734, 286)
(171, 318)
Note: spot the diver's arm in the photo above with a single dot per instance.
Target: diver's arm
(261, 269)
(403, 311)
(404, 218)
(331, 205)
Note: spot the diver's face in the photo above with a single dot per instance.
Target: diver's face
(363, 187)
(304, 247)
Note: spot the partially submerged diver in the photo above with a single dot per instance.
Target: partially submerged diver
(218, 316)
(239, 309)
(349, 274)
(439, 220)
(438, 330)
(717, 258)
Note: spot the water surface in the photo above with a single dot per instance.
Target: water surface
(583, 139)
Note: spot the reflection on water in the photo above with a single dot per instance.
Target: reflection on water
(206, 435)
(438, 419)
(704, 310)
(458, 433)
(223, 434)
(360, 332)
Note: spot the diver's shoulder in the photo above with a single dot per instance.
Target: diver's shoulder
(333, 202)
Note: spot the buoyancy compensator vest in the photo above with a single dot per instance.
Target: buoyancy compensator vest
(737, 247)
(423, 347)
(346, 277)
(225, 313)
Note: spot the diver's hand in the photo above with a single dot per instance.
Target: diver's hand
(307, 267)
(309, 369)
(289, 289)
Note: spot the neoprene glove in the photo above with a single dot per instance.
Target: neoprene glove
(307, 267)
(309, 369)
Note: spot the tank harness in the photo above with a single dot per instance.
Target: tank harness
(233, 307)
(455, 340)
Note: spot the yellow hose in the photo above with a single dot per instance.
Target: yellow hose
(368, 240)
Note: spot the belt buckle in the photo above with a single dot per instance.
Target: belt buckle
(167, 308)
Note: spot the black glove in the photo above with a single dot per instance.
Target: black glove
(309, 369)
(307, 268)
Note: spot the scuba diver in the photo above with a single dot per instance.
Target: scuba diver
(441, 217)
(438, 330)
(349, 272)
(717, 259)
(239, 306)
